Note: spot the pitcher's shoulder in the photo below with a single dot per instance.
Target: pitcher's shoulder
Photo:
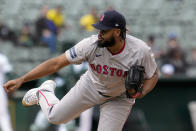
(88, 43)
(90, 40)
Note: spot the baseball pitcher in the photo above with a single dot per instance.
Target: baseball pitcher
(121, 69)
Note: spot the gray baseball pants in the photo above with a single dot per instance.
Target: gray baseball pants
(113, 110)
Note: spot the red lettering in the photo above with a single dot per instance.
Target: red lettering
(93, 66)
(112, 71)
(105, 67)
(119, 73)
(125, 74)
(99, 69)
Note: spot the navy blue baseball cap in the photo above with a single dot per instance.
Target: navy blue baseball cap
(110, 19)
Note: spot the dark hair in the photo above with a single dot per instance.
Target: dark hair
(123, 33)
(151, 38)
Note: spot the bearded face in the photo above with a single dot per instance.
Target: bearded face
(105, 38)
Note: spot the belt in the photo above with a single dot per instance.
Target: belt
(103, 94)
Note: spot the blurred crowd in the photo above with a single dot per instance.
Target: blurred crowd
(43, 31)
(172, 61)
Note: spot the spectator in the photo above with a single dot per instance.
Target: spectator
(87, 20)
(49, 39)
(26, 37)
(173, 41)
(167, 70)
(151, 42)
(40, 23)
(5, 67)
(175, 56)
(46, 30)
(57, 17)
(6, 33)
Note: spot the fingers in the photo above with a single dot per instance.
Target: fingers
(136, 95)
(132, 91)
(5, 88)
(9, 87)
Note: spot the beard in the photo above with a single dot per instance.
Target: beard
(107, 43)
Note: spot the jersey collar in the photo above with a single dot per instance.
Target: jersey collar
(121, 50)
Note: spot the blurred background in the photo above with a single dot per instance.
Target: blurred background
(36, 30)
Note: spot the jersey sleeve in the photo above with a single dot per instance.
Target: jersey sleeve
(80, 52)
(149, 63)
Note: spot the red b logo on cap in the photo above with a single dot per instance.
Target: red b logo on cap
(102, 16)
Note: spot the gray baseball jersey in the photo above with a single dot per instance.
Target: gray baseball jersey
(107, 71)
(106, 74)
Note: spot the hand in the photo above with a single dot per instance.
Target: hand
(13, 85)
(136, 95)
(132, 91)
